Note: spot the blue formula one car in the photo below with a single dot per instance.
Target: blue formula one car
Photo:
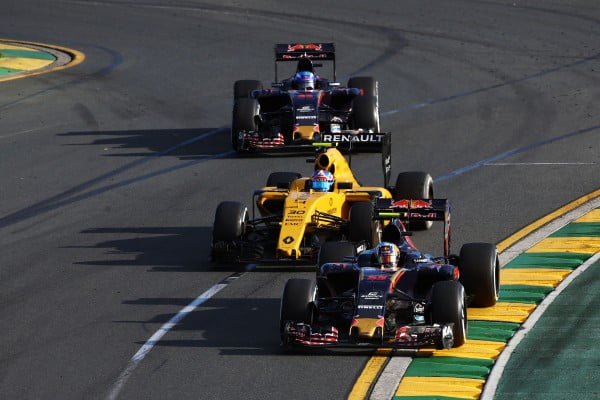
(305, 107)
(392, 295)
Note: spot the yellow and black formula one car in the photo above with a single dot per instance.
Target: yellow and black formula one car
(298, 214)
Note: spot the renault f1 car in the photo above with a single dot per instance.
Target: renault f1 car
(294, 219)
(293, 114)
(419, 303)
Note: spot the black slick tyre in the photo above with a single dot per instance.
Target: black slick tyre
(230, 221)
(298, 303)
(242, 88)
(448, 306)
(335, 252)
(244, 110)
(415, 185)
(361, 227)
(480, 273)
(282, 178)
(365, 108)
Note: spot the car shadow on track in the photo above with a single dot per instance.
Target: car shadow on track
(171, 249)
(243, 326)
(193, 145)
(186, 144)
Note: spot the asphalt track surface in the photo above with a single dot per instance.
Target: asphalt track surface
(109, 187)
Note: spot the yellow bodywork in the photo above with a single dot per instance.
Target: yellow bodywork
(365, 328)
(305, 132)
(300, 203)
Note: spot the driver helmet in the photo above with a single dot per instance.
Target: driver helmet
(322, 181)
(388, 255)
(304, 80)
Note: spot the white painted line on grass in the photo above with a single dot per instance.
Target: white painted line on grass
(154, 339)
(489, 390)
(540, 163)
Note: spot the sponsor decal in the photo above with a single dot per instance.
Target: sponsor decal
(388, 164)
(304, 109)
(420, 260)
(376, 278)
(335, 267)
(300, 47)
(371, 296)
(288, 240)
(296, 212)
(350, 137)
(412, 204)
(366, 307)
(306, 117)
(332, 211)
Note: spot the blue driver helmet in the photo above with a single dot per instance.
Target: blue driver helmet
(304, 80)
(322, 181)
(388, 255)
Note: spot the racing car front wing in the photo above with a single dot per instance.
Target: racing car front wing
(405, 337)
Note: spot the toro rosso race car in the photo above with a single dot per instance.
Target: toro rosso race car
(297, 214)
(392, 295)
(304, 108)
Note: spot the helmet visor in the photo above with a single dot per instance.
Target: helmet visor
(321, 186)
(388, 258)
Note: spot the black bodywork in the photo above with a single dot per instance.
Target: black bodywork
(287, 118)
(358, 303)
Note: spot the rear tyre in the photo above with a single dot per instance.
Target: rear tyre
(361, 227)
(480, 273)
(230, 221)
(335, 252)
(242, 88)
(365, 108)
(415, 185)
(448, 306)
(282, 178)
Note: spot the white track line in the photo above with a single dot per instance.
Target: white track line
(154, 339)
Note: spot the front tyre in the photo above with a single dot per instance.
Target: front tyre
(230, 221)
(448, 306)
(244, 111)
(298, 303)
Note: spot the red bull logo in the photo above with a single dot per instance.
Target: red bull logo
(300, 47)
(412, 204)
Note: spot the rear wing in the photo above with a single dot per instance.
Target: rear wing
(312, 51)
(407, 210)
(295, 51)
(349, 141)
